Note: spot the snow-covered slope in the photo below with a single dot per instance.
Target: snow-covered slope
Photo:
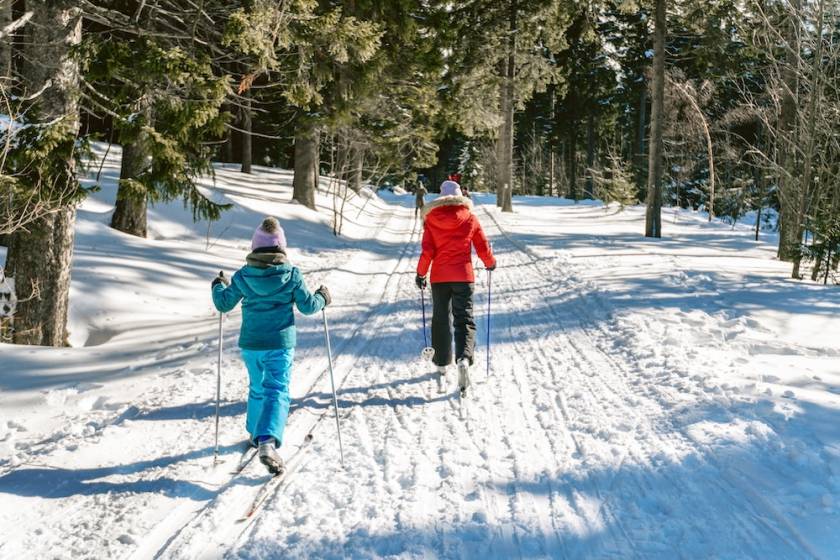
(652, 399)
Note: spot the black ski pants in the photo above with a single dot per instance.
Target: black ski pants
(452, 304)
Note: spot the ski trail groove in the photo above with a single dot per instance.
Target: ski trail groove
(658, 436)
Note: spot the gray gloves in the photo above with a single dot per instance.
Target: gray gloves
(325, 293)
(221, 279)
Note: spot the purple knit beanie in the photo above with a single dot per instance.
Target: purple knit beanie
(269, 234)
(450, 188)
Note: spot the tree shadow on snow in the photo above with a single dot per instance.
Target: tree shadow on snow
(192, 411)
(59, 482)
(319, 400)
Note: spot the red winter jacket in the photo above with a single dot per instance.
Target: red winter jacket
(451, 230)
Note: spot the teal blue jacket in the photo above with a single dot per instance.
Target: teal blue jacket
(269, 288)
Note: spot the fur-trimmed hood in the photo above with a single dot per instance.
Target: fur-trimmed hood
(442, 201)
(264, 257)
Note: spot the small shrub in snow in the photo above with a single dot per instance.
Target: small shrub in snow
(614, 182)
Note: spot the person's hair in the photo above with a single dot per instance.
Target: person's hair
(270, 225)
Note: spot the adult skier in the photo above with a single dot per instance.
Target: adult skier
(419, 198)
(451, 231)
(269, 287)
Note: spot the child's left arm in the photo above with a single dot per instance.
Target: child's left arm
(306, 302)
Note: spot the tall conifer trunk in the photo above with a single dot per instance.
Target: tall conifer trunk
(247, 152)
(640, 155)
(571, 154)
(306, 151)
(132, 197)
(316, 160)
(356, 168)
(809, 127)
(227, 147)
(552, 141)
(5, 42)
(40, 259)
(504, 198)
(589, 189)
(653, 217)
(788, 186)
(501, 166)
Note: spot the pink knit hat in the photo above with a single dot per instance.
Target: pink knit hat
(269, 234)
(450, 188)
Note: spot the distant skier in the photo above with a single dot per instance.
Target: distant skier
(451, 231)
(269, 287)
(419, 198)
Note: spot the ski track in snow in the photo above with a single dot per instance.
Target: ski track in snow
(587, 440)
(569, 418)
(645, 436)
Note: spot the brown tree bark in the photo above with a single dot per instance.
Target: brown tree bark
(552, 141)
(5, 42)
(316, 161)
(247, 153)
(132, 197)
(303, 184)
(589, 189)
(227, 148)
(507, 195)
(640, 154)
(653, 216)
(810, 130)
(40, 259)
(40, 263)
(788, 187)
(571, 154)
(501, 166)
(357, 163)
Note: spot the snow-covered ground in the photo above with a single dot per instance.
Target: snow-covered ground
(648, 399)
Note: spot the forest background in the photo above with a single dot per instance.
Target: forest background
(729, 107)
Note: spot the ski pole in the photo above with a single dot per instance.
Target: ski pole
(423, 304)
(218, 382)
(428, 352)
(489, 292)
(332, 382)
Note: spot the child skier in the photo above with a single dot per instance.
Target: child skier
(269, 286)
(451, 231)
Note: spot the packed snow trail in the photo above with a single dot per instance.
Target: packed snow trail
(566, 453)
(613, 424)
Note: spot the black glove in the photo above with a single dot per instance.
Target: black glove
(492, 267)
(325, 293)
(221, 279)
(420, 281)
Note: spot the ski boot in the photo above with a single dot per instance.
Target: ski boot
(270, 458)
(441, 379)
(463, 376)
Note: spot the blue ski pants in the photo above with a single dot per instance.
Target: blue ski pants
(268, 391)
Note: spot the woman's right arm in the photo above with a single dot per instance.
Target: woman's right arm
(428, 253)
